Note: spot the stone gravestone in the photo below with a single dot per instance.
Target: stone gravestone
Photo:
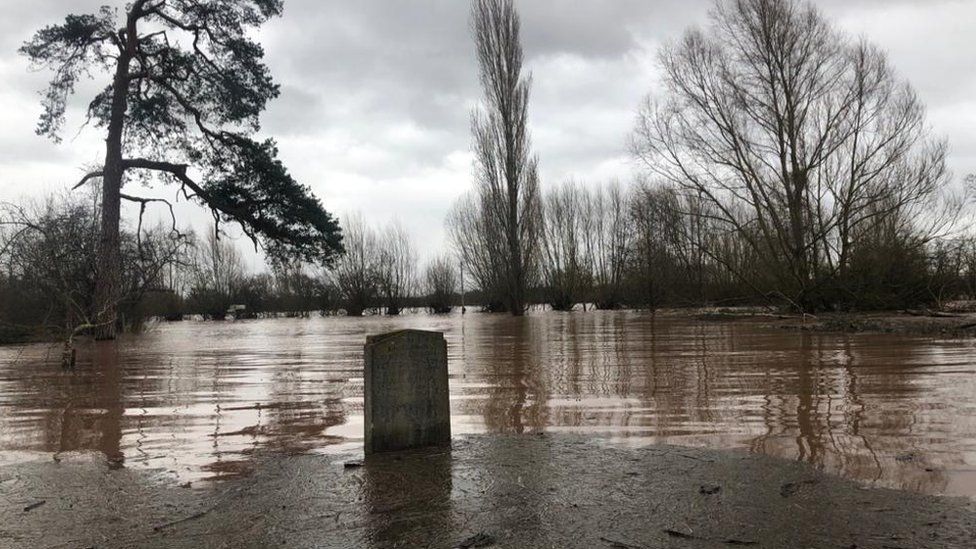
(406, 400)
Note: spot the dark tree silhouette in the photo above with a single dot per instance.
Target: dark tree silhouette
(188, 84)
(506, 172)
(798, 139)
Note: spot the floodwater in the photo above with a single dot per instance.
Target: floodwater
(197, 400)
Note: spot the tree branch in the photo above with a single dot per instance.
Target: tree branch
(179, 172)
(87, 178)
(143, 202)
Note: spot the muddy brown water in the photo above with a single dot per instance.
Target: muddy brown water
(197, 400)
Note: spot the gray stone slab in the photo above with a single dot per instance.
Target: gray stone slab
(406, 391)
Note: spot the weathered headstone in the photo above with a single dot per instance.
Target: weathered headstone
(406, 400)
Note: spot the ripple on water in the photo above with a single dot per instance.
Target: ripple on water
(200, 399)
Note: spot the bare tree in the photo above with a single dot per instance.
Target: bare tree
(440, 284)
(397, 267)
(505, 170)
(49, 262)
(796, 137)
(608, 244)
(217, 274)
(480, 246)
(178, 275)
(355, 272)
(47, 258)
(676, 249)
(565, 264)
(149, 256)
(655, 222)
(295, 290)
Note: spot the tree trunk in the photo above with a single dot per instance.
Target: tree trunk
(109, 261)
(109, 266)
(798, 228)
(516, 273)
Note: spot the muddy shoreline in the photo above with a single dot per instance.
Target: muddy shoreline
(487, 490)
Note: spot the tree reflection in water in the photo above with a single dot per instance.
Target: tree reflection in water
(200, 399)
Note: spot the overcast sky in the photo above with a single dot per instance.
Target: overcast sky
(376, 95)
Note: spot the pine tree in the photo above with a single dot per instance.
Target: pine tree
(188, 84)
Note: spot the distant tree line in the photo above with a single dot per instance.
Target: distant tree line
(652, 244)
(600, 247)
(48, 274)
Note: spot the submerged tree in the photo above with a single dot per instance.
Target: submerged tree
(795, 137)
(47, 267)
(218, 272)
(440, 284)
(564, 264)
(505, 170)
(396, 267)
(481, 249)
(356, 273)
(608, 238)
(187, 86)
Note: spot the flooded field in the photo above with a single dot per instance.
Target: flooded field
(197, 400)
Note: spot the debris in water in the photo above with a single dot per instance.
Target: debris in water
(353, 464)
(791, 488)
(34, 505)
(709, 489)
(677, 534)
(728, 541)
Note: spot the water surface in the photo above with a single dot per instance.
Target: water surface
(198, 399)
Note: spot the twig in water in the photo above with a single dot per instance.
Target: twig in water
(34, 505)
(678, 534)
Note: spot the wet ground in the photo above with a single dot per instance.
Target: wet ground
(518, 491)
(200, 401)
